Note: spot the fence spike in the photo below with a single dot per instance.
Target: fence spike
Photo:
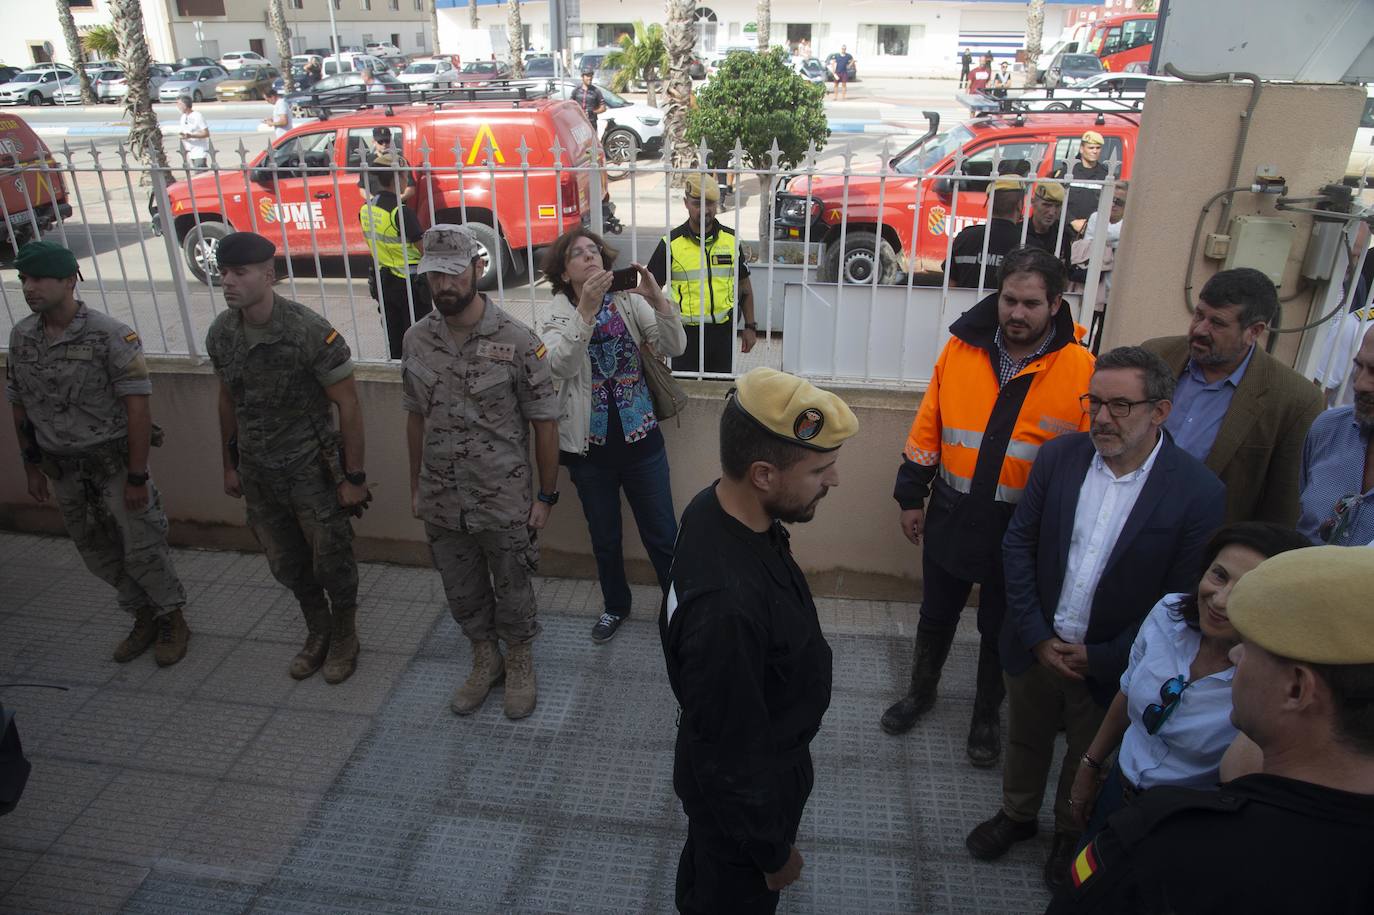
(524, 152)
(556, 150)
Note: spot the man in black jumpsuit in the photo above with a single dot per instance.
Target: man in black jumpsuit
(1088, 166)
(745, 654)
(966, 257)
(1297, 836)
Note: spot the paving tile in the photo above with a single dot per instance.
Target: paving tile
(40, 712)
(13, 864)
(253, 673)
(204, 654)
(135, 817)
(395, 626)
(229, 608)
(203, 738)
(300, 749)
(177, 894)
(57, 792)
(240, 836)
(363, 693)
(111, 728)
(79, 886)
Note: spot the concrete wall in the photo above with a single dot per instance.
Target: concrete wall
(1187, 139)
(853, 547)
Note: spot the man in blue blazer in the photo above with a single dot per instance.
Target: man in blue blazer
(1111, 520)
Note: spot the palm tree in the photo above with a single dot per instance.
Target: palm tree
(74, 50)
(472, 14)
(641, 58)
(680, 36)
(1035, 27)
(145, 137)
(278, 19)
(515, 38)
(434, 22)
(764, 15)
(101, 41)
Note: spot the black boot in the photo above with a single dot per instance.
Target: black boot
(932, 647)
(985, 733)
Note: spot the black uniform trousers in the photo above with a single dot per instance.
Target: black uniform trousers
(396, 306)
(719, 341)
(945, 595)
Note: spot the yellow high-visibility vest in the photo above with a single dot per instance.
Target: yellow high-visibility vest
(381, 228)
(704, 291)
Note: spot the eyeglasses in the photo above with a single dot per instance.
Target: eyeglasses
(1156, 714)
(584, 251)
(1118, 201)
(1333, 528)
(1118, 408)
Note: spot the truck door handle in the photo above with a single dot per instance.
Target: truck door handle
(323, 195)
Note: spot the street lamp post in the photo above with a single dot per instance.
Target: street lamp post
(334, 33)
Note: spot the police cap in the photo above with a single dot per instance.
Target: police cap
(46, 259)
(240, 249)
(794, 410)
(696, 188)
(1314, 605)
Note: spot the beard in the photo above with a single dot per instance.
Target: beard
(1108, 442)
(790, 511)
(1364, 413)
(449, 304)
(42, 306)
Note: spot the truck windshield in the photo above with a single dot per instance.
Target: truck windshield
(926, 156)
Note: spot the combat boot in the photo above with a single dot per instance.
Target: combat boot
(488, 669)
(521, 688)
(139, 638)
(985, 733)
(927, 660)
(172, 636)
(312, 654)
(342, 658)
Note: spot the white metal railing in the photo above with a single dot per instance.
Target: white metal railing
(810, 321)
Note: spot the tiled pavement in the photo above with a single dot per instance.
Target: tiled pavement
(221, 785)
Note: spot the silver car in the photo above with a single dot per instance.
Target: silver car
(111, 85)
(37, 86)
(199, 83)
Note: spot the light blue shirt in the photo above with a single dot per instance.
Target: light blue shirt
(1333, 469)
(1187, 750)
(1200, 406)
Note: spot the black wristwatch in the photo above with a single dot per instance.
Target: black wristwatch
(137, 479)
(751, 325)
(357, 479)
(548, 498)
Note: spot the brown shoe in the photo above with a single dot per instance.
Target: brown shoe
(993, 838)
(312, 654)
(488, 669)
(172, 636)
(342, 658)
(139, 638)
(1060, 859)
(522, 690)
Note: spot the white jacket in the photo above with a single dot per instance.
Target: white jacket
(566, 335)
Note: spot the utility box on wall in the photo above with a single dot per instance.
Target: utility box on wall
(1262, 242)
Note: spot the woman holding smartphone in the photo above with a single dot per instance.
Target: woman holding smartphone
(608, 435)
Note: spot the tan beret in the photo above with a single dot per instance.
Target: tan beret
(795, 410)
(1314, 605)
(696, 188)
(1092, 138)
(1009, 184)
(1054, 193)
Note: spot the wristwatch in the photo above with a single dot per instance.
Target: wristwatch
(548, 498)
(357, 479)
(137, 479)
(751, 325)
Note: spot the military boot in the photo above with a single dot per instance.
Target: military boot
(172, 636)
(521, 688)
(927, 660)
(985, 733)
(342, 658)
(139, 638)
(488, 669)
(319, 624)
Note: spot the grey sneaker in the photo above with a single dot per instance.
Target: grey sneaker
(605, 627)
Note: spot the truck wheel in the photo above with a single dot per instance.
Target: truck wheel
(622, 148)
(494, 252)
(858, 263)
(199, 246)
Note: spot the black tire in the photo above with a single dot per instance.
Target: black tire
(1056, 106)
(622, 148)
(858, 262)
(35, 99)
(199, 247)
(197, 97)
(496, 254)
(253, 96)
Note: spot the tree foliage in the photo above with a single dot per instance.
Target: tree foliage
(74, 50)
(101, 41)
(642, 58)
(680, 35)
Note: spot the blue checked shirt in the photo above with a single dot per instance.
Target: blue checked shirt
(1332, 473)
(1008, 368)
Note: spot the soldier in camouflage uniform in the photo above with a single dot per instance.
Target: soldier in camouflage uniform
(474, 381)
(79, 388)
(280, 367)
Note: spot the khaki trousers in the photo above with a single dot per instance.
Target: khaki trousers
(487, 580)
(1038, 702)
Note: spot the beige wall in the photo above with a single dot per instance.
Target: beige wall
(1187, 143)
(853, 547)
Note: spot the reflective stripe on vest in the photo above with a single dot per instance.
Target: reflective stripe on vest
(690, 281)
(383, 234)
(1010, 494)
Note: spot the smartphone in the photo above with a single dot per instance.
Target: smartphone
(624, 280)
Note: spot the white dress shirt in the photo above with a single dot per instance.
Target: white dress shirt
(1104, 504)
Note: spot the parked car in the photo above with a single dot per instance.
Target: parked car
(92, 67)
(353, 63)
(480, 73)
(248, 83)
(539, 66)
(184, 62)
(342, 92)
(395, 63)
(382, 49)
(1033, 144)
(1071, 69)
(235, 59)
(111, 84)
(8, 73)
(811, 69)
(626, 128)
(33, 191)
(299, 78)
(287, 189)
(595, 58)
(434, 73)
(304, 60)
(199, 83)
(37, 86)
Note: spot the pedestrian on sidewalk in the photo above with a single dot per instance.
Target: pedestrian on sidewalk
(280, 118)
(965, 64)
(745, 653)
(844, 71)
(194, 133)
(281, 368)
(1001, 80)
(474, 382)
(79, 388)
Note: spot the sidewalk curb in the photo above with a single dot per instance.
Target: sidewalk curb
(169, 128)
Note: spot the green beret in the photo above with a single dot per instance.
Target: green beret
(795, 410)
(1314, 605)
(239, 249)
(46, 258)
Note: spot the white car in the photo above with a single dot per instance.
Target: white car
(436, 73)
(111, 85)
(235, 59)
(624, 125)
(38, 86)
(199, 83)
(382, 49)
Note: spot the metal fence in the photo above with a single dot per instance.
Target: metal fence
(145, 238)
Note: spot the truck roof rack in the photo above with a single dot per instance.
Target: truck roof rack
(1053, 101)
(388, 99)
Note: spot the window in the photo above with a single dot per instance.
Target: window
(420, 40)
(394, 4)
(1018, 157)
(888, 40)
(197, 8)
(338, 5)
(419, 5)
(80, 3)
(608, 33)
(1066, 150)
(298, 4)
(367, 4)
(307, 151)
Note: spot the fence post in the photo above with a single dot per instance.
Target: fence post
(598, 191)
(169, 238)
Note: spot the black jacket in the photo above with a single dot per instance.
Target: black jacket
(966, 254)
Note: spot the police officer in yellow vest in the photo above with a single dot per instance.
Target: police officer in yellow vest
(700, 267)
(393, 234)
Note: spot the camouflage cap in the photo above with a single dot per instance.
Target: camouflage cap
(449, 248)
(45, 259)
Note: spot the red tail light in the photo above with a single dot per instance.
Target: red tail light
(567, 193)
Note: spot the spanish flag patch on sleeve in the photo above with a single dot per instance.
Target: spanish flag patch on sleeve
(1084, 866)
(131, 337)
(333, 334)
(540, 351)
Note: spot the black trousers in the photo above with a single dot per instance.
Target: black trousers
(719, 341)
(396, 307)
(945, 596)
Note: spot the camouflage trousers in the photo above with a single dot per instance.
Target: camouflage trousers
(126, 549)
(306, 534)
(486, 576)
